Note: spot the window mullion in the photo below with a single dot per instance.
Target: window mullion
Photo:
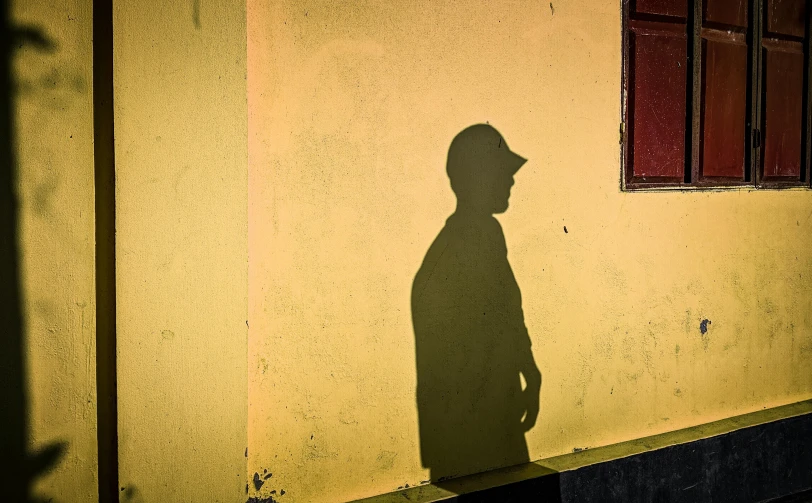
(806, 167)
(756, 92)
(695, 86)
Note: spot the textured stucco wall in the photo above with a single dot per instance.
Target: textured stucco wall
(352, 109)
(53, 124)
(181, 250)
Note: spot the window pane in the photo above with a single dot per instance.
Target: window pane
(786, 17)
(783, 111)
(724, 105)
(658, 104)
(728, 12)
(678, 8)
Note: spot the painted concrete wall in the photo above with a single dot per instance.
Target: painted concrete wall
(352, 107)
(53, 124)
(181, 251)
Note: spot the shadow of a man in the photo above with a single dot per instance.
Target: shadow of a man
(470, 337)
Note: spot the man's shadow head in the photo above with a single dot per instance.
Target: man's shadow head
(481, 168)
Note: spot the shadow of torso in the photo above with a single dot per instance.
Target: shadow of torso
(470, 339)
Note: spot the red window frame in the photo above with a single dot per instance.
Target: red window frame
(750, 63)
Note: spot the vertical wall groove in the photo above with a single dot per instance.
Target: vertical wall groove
(104, 156)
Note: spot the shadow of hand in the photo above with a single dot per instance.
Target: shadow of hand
(45, 459)
(531, 396)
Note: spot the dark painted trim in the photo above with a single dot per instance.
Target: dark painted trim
(760, 463)
(762, 456)
(104, 158)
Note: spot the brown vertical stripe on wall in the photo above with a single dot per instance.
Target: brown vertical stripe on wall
(104, 156)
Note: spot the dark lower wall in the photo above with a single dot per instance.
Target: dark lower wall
(753, 464)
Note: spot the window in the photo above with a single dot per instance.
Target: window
(716, 93)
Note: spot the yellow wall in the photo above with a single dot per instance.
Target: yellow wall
(352, 109)
(54, 129)
(181, 250)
